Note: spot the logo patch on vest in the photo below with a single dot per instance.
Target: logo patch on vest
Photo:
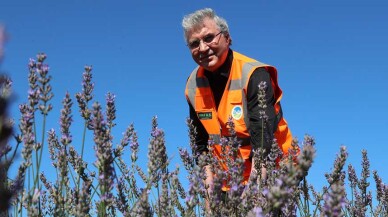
(237, 112)
(204, 115)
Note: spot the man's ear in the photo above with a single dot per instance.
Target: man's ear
(226, 36)
(228, 39)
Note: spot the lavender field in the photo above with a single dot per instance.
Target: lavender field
(115, 184)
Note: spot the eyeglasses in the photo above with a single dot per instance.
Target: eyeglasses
(208, 40)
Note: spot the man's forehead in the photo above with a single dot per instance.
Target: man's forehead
(204, 27)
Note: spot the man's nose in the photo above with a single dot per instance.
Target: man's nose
(203, 46)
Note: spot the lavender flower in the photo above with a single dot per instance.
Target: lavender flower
(53, 144)
(380, 187)
(141, 173)
(110, 110)
(363, 183)
(104, 161)
(192, 134)
(18, 182)
(129, 176)
(338, 166)
(78, 164)
(234, 196)
(305, 158)
(164, 208)
(83, 99)
(26, 127)
(362, 199)
(251, 193)
(142, 206)
(177, 191)
(134, 146)
(86, 95)
(352, 176)
(277, 194)
(316, 196)
(196, 187)
(335, 199)
(283, 182)
(65, 120)
(60, 193)
(178, 185)
(121, 199)
(127, 136)
(45, 94)
(33, 200)
(83, 207)
(187, 160)
(256, 212)
(157, 156)
(63, 169)
(45, 209)
(39, 95)
(261, 96)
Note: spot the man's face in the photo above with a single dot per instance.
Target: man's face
(209, 48)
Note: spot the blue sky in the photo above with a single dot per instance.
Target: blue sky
(331, 57)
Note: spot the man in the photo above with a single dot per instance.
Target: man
(226, 84)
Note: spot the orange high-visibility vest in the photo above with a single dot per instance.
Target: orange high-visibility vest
(234, 104)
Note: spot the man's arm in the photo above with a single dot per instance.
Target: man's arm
(201, 138)
(261, 131)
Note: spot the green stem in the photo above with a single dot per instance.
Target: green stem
(306, 204)
(36, 182)
(320, 199)
(95, 192)
(72, 176)
(133, 196)
(36, 152)
(83, 139)
(157, 190)
(82, 154)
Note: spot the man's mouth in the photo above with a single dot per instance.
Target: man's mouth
(204, 56)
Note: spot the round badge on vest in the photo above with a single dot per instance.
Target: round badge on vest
(237, 112)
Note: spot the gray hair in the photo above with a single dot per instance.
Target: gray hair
(193, 20)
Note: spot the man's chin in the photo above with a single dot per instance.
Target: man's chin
(209, 67)
(207, 64)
